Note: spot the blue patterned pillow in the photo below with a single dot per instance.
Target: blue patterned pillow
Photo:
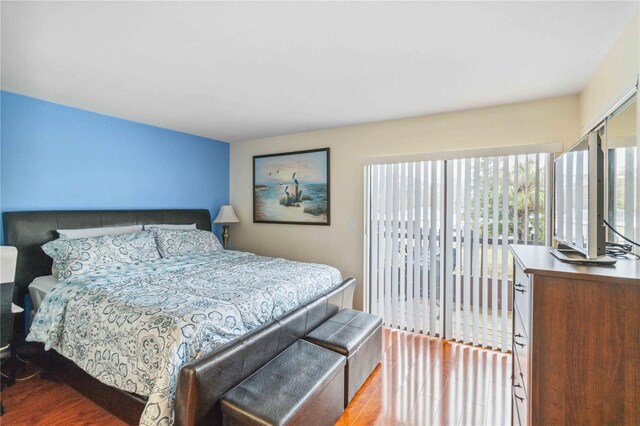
(74, 257)
(178, 242)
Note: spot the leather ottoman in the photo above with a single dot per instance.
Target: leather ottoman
(356, 335)
(304, 385)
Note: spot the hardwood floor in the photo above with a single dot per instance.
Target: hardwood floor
(421, 381)
(41, 402)
(424, 381)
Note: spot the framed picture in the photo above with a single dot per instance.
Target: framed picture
(292, 187)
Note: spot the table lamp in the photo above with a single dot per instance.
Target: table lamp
(226, 216)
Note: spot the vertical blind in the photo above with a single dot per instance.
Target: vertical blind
(623, 169)
(572, 198)
(404, 226)
(437, 242)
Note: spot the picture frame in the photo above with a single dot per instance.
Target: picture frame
(292, 188)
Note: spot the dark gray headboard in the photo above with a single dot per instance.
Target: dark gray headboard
(28, 231)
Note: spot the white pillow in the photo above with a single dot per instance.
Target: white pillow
(169, 226)
(175, 242)
(73, 234)
(80, 255)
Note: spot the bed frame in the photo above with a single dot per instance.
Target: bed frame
(202, 382)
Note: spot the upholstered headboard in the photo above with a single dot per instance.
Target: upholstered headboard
(28, 231)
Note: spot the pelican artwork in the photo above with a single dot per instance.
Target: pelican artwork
(295, 186)
(297, 194)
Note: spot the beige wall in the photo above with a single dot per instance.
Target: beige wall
(341, 244)
(614, 76)
(551, 120)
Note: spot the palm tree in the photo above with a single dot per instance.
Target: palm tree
(523, 197)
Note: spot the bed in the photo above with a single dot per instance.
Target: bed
(116, 325)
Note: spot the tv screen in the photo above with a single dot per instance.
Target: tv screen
(578, 197)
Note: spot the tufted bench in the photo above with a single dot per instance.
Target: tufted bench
(302, 385)
(356, 335)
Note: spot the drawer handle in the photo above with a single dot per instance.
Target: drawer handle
(517, 385)
(521, 290)
(522, 345)
(519, 398)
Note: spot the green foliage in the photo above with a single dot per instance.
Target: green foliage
(316, 209)
(523, 198)
(288, 201)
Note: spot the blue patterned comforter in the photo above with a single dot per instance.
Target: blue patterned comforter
(134, 326)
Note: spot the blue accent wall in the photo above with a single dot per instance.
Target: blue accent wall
(55, 157)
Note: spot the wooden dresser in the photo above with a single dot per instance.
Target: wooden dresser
(576, 344)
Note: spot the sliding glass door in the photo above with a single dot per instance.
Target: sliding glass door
(437, 242)
(404, 239)
(622, 177)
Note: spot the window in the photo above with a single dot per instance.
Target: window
(622, 173)
(437, 242)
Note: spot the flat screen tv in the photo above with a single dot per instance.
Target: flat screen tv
(579, 197)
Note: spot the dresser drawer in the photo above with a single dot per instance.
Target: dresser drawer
(520, 402)
(521, 348)
(520, 363)
(522, 297)
(515, 416)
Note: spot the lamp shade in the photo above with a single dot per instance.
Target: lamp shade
(226, 215)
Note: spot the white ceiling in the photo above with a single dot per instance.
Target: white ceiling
(238, 71)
